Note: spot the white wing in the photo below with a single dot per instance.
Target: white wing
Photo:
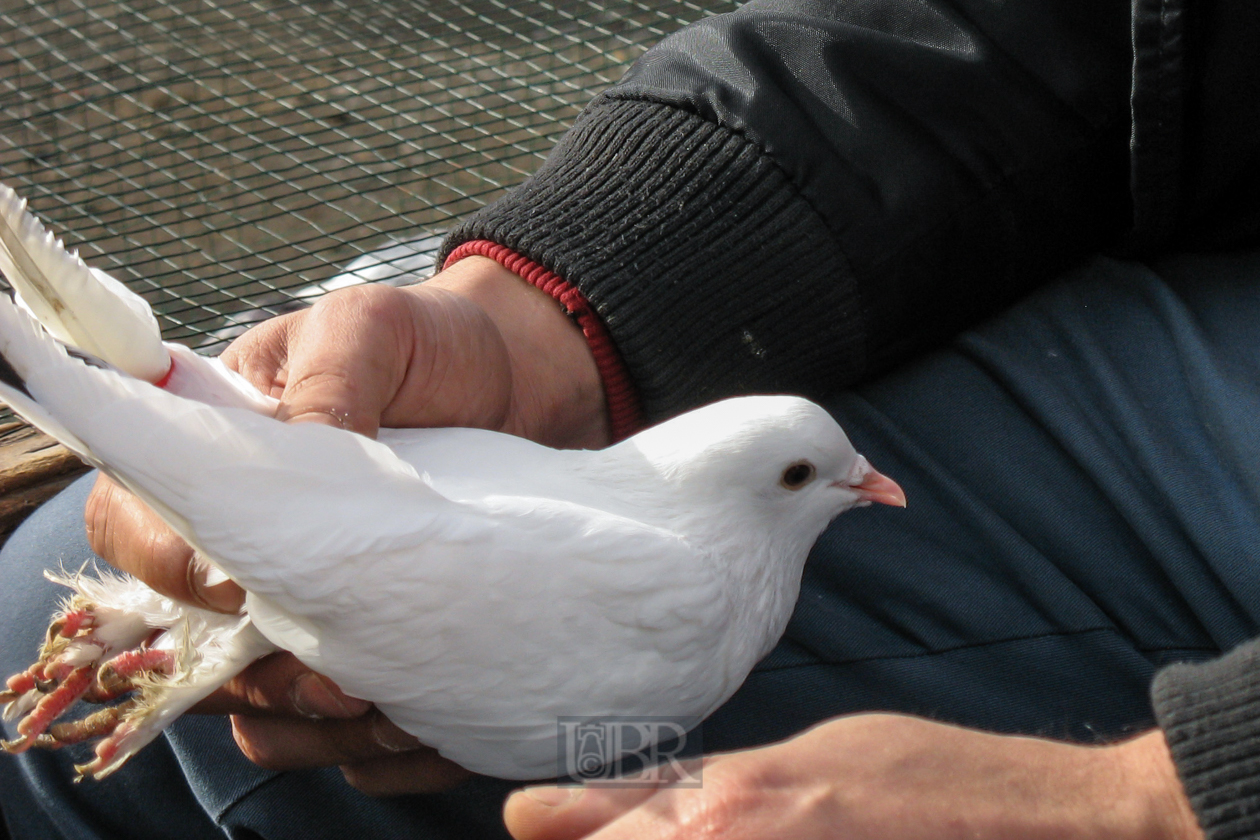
(86, 308)
(221, 473)
(546, 609)
(82, 307)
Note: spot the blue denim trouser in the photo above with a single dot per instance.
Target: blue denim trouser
(1084, 485)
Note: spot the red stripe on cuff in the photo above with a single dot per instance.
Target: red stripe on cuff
(625, 417)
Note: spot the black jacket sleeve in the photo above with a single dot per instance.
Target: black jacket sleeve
(798, 194)
(1210, 714)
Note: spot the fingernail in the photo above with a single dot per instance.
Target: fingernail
(324, 416)
(389, 736)
(211, 589)
(552, 797)
(223, 597)
(314, 697)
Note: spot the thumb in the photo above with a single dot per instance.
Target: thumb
(549, 812)
(325, 399)
(346, 361)
(126, 533)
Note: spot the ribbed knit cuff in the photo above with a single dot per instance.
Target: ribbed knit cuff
(624, 416)
(713, 276)
(1210, 714)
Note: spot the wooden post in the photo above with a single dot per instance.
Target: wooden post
(33, 468)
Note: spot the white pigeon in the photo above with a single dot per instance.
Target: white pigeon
(475, 586)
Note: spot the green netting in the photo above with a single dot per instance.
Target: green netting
(228, 159)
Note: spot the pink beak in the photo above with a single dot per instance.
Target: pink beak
(877, 487)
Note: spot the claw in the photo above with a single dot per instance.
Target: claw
(117, 676)
(64, 672)
(69, 668)
(54, 632)
(17, 745)
(116, 636)
(10, 700)
(21, 705)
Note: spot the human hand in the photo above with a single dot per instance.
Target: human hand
(890, 777)
(474, 346)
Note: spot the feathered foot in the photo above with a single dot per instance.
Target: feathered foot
(75, 663)
(116, 637)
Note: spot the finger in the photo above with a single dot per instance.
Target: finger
(548, 812)
(261, 354)
(127, 534)
(281, 743)
(418, 771)
(279, 684)
(675, 813)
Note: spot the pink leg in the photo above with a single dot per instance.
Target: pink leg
(49, 708)
(130, 663)
(105, 751)
(18, 685)
(74, 621)
(73, 665)
(96, 725)
(116, 677)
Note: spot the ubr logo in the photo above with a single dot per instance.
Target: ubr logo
(628, 751)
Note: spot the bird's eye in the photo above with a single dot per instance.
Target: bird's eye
(798, 475)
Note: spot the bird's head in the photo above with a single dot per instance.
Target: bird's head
(756, 480)
(780, 461)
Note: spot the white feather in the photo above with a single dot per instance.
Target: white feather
(85, 308)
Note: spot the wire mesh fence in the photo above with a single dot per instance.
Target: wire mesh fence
(231, 159)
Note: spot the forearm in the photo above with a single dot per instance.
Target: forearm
(876, 776)
(774, 200)
(557, 388)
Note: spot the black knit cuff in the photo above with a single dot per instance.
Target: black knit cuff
(1210, 714)
(695, 249)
